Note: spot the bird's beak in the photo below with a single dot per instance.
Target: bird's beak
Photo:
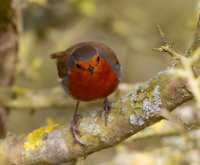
(91, 69)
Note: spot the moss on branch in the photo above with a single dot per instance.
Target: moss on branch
(130, 114)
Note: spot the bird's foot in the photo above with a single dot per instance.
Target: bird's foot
(74, 130)
(106, 110)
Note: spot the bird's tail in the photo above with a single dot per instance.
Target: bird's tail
(57, 55)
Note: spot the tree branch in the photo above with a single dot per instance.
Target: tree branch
(53, 144)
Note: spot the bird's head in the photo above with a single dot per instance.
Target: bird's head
(86, 58)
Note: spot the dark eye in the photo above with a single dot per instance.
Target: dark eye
(78, 66)
(98, 59)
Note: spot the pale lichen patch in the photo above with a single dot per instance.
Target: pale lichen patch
(152, 105)
(146, 102)
(136, 120)
(55, 142)
(36, 138)
(110, 118)
(90, 127)
(91, 130)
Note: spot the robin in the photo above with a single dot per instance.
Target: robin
(88, 71)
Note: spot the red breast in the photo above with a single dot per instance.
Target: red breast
(88, 70)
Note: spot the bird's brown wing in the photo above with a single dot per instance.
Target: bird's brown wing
(61, 63)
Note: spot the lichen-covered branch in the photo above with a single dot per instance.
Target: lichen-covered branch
(130, 114)
(54, 144)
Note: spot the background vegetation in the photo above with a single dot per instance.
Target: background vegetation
(129, 27)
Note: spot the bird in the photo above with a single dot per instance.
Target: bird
(88, 71)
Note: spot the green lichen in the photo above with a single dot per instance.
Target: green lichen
(136, 120)
(146, 102)
(36, 138)
(152, 104)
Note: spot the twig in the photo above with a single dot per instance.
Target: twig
(187, 64)
(196, 41)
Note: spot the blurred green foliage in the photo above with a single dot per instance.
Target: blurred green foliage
(128, 26)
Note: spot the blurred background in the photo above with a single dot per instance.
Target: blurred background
(129, 28)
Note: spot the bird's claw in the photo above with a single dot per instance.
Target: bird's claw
(106, 110)
(74, 130)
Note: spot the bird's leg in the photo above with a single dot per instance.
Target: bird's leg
(106, 109)
(73, 126)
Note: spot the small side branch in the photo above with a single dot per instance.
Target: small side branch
(196, 41)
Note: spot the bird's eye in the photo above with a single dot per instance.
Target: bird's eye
(78, 66)
(98, 59)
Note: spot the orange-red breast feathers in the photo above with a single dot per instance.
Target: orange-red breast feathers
(88, 70)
